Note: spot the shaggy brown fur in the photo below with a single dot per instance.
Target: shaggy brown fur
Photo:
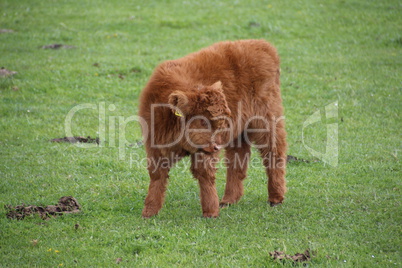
(224, 96)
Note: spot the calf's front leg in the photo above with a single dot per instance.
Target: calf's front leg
(156, 192)
(203, 169)
(237, 163)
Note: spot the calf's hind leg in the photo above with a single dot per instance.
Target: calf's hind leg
(272, 147)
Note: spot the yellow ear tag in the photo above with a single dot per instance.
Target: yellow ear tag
(177, 113)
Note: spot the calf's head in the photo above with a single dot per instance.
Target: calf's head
(206, 115)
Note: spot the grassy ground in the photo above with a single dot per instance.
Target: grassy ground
(347, 52)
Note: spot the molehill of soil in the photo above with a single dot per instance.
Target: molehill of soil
(298, 257)
(66, 204)
(77, 139)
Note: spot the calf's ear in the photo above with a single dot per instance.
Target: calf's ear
(218, 105)
(217, 86)
(179, 102)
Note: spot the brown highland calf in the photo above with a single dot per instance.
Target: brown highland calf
(224, 96)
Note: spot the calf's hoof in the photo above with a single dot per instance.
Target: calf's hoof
(272, 204)
(275, 199)
(224, 204)
(147, 213)
(146, 216)
(210, 214)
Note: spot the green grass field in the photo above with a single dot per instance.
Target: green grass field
(333, 52)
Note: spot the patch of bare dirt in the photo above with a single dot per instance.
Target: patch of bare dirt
(6, 73)
(66, 204)
(57, 46)
(298, 257)
(77, 139)
(291, 158)
(6, 31)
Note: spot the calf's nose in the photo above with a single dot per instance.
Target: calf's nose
(216, 148)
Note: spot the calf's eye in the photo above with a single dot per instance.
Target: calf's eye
(204, 123)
